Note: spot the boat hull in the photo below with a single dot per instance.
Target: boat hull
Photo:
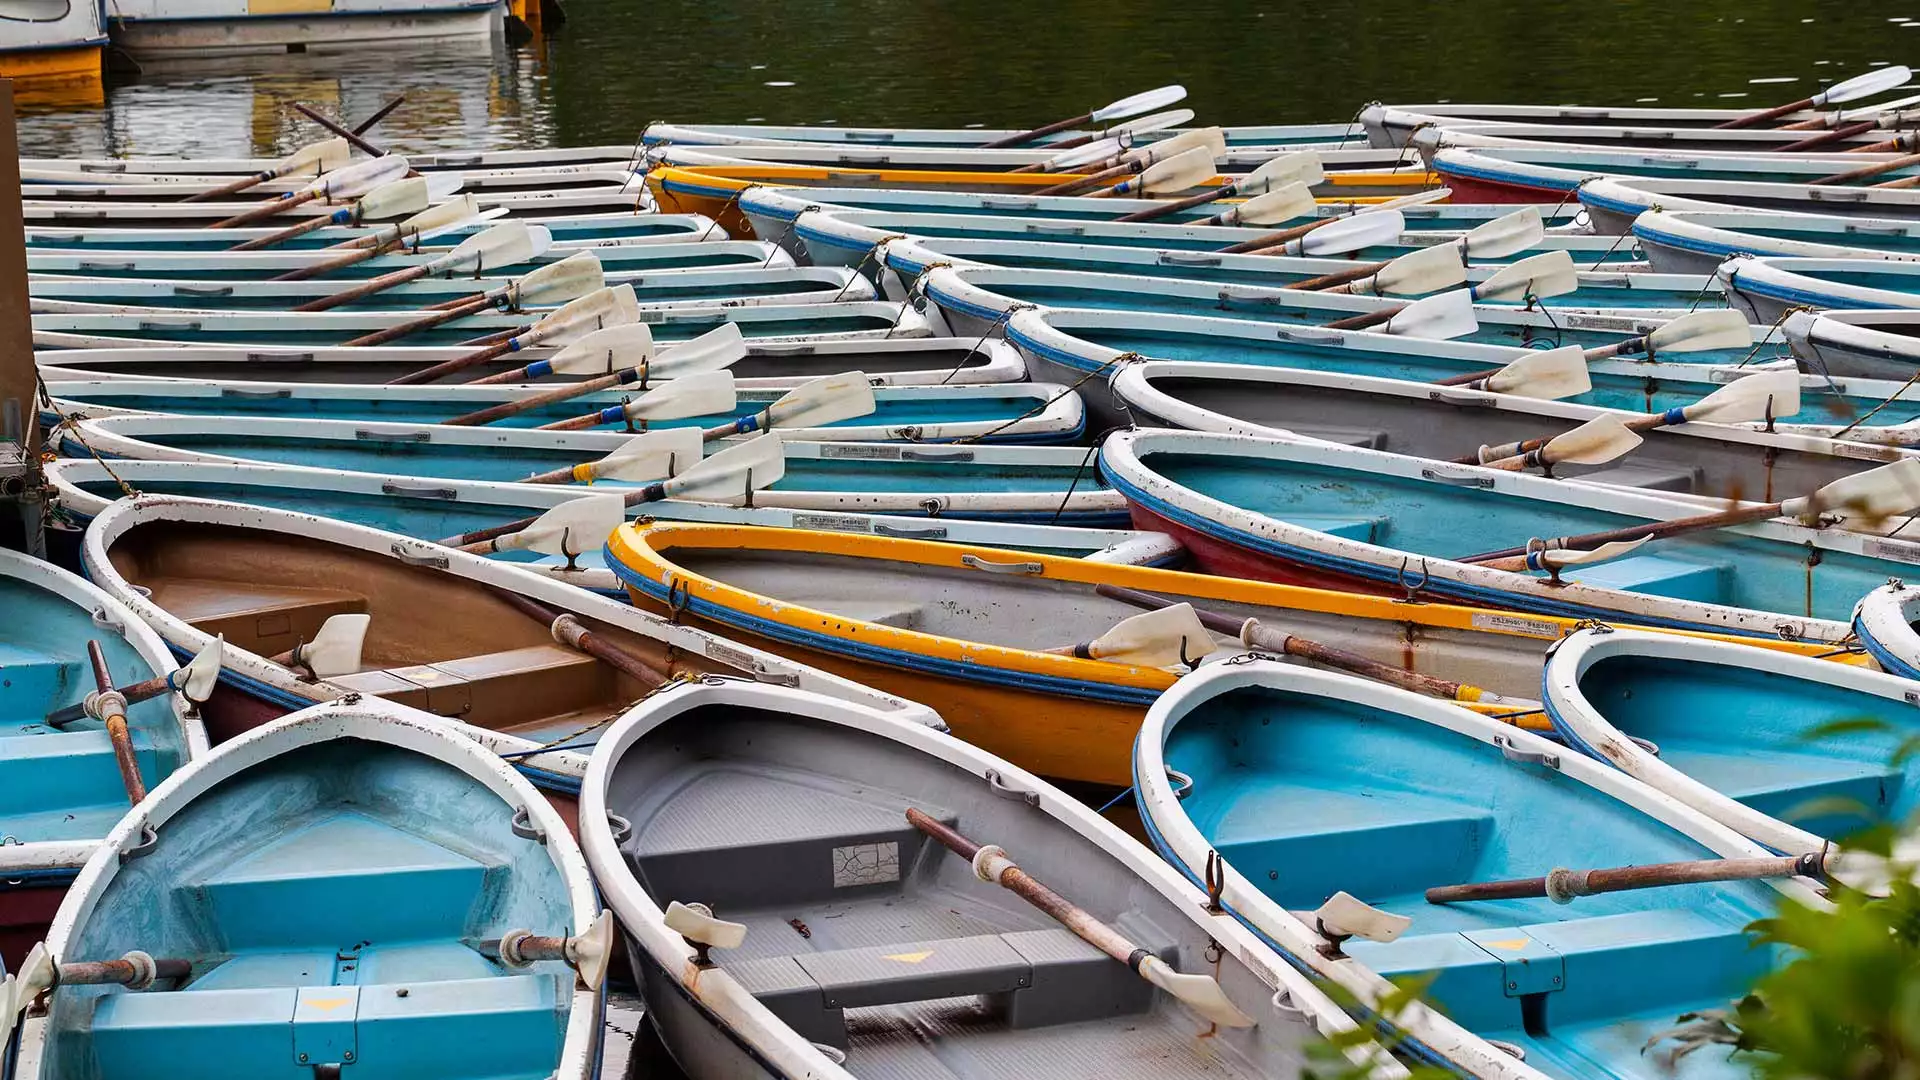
(308, 28)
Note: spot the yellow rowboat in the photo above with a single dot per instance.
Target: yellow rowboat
(714, 190)
(963, 628)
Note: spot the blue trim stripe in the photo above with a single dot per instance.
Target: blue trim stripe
(1878, 650)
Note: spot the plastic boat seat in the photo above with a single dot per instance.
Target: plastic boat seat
(61, 773)
(1650, 477)
(352, 878)
(37, 682)
(899, 613)
(494, 688)
(501, 1027)
(1370, 438)
(1043, 977)
(1347, 528)
(1779, 784)
(1659, 575)
(266, 619)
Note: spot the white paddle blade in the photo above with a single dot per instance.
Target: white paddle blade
(591, 952)
(696, 923)
(569, 279)
(828, 399)
(9, 1012)
(503, 245)
(1187, 169)
(1272, 207)
(335, 648)
(1441, 317)
(197, 679)
(652, 456)
(728, 475)
(1353, 233)
(451, 214)
(1156, 122)
(574, 526)
(603, 352)
(1505, 235)
(1201, 993)
(1144, 102)
(1097, 150)
(1298, 168)
(1878, 81)
(1595, 442)
(702, 394)
(396, 197)
(443, 185)
(1420, 272)
(1550, 273)
(1548, 376)
(1701, 331)
(1211, 139)
(716, 350)
(1561, 558)
(1165, 637)
(361, 177)
(1754, 397)
(1347, 916)
(323, 156)
(575, 319)
(1876, 493)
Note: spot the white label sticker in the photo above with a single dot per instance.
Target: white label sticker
(866, 864)
(1864, 451)
(831, 522)
(1260, 970)
(874, 451)
(1516, 624)
(1897, 550)
(730, 656)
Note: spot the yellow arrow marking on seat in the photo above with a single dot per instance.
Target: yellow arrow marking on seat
(1511, 943)
(326, 1003)
(909, 957)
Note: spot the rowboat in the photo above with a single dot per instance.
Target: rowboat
(63, 790)
(433, 160)
(1878, 344)
(577, 199)
(1255, 136)
(1340, 516)
(1612, 202)
(967, 627)
(794, 323)
(1662, 137)
(1366, 168)
(849, 935)
(1333, 804)
(1884, 622)
(914, 361)
(606, 180)
(574, 217)
(431, 510)
(1769, 289)
(1546, 174)
(448, 634)
(994, 412)
(1790, 753)
(1709, 460)
(1393, 125)
(1698, 241)
(385, 907)
(1036, 484)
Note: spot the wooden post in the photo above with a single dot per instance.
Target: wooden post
(19, 428)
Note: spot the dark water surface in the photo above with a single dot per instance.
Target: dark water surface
(618, 64)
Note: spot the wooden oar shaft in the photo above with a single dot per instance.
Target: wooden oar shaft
(121, 972)
(1653, 530)
(353, 137)
(312, 224)
(1359, 272)
(458, 363)
(1905, 141)
(1868, 171)
(267, 210)
(233, 187)
(1824, 138)
(1174, 207)
(546, 397)
(135, 693)
(469, 306)
(113, 713)
(1078, 183)
(338, 262)
(1260, 244)
(1563, 885)
(1039, 132)
(1765, 115)
(366, 288)
(571, 632)
(1637, 423)
(1367, 321)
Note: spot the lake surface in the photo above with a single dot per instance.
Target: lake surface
(618, 64)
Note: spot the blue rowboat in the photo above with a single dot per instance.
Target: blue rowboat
(159, 326)
(1309, 785)
(60, 788)
(433, 509)
(1613, 202)
(1067, 345)
(1394, 125)
(997, 412)
(1698, 241)
(579, 216)
(783, 810)
(1347, 168)
(160, 168)
(1031, 484)
(1255, 136)
(1306, 512)
(336, 886)
(1791, 752)
(1478, 170)
(1768, 289)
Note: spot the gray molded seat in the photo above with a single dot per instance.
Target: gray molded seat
(1649, 477)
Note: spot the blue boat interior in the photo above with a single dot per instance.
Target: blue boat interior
(333, 901)
(577, 229)
(1307, 795)
(212, 331)
(653, 289)
(1817, 756)
(62, 783)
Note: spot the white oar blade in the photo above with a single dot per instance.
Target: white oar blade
(1298, 168)
(1550, 273)
(1273, 207)
(1442, 317)
(9, 1011)
(605, 351)
(704, 394)
(501, 245)
(1354, 233)
(1156, 122)
(574, 526)
(1097, 150)
(1560, 558)
(569, 279)
(336, 647)
(1184, 170)
(1211, 139)
(1201, 993)
(1878, 81)
(361, 177)
(203, 671)
(1702, 331)
(1420, 272)
(1876, 493)
(1506, 235)
(728, 475)
(828, 399)
(443, 185)
(1548, 376)
(575, 319)
(1754, 397)
(1165, 637)
(396, 197)
(716, 350)
(437, 219)
(1595, 442)
(323, 156)
(652, 456)
(1144, 102)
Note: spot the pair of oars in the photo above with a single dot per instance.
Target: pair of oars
(1301, 169)
(1860, 86)
(314, 158)
(1536, 277)
(496, 248)
(344, 184)
(574, 278)
(1103, 148)
(459, 212)
(390, 200)
(1132, 105)
(1139, 159)
(693, 376)
(1699, 331)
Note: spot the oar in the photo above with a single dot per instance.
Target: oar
(334, 650)
(1699, 331)
(456, 213)
(352, 135)
(651, 456)
(316, 158)
(1866, 172)
(1201, 993)
(1164, 637)
(1413, 274)
(1211, 139)
(1328, 236)
(350, 182)
(704, 394)
(1300, 168)
(106, 704)
(1495, 239)
(1554, 560)
(555, 283)
(573, 527)
(1271, 208)
(564, 325)
(501, 246)
(1547, 375)
(1114, 140)
(1873, 82)
(1178, 173)
(1537, 277)
(194, 682)
(587, 954)
(1562, 885)
(1755, 397)
(1255, 634)
(1441, 317)
(1144, 102)
(618, 355)
(389, 200)
(39, 973)
(828, 399)
(568, 630)
(1595, 442)
(1874, 494)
